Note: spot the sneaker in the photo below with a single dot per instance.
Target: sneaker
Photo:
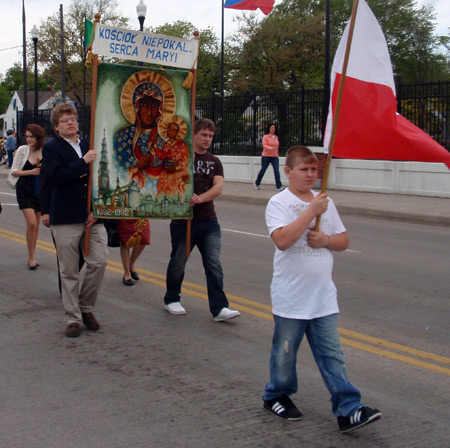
(362, 416)
(283, 407)
(257, 187)
(90, 321)
(73, 330)
(280, 188)
(226, 314)
(175, 308)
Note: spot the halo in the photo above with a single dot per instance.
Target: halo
(164, 124)
(126, 97)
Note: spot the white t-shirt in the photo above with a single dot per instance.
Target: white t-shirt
(302, 287)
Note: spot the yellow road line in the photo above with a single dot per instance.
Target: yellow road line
(370, 344)
(396, 356)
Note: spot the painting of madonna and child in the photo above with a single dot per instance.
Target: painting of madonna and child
(143, 138)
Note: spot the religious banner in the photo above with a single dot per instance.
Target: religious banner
(143, 137)
(145, 47)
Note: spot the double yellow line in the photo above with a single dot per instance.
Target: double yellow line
(360, 341)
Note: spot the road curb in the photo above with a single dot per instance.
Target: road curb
(416, 218)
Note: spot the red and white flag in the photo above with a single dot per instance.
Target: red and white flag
(369, 126)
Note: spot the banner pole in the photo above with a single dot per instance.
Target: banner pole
(338, 105)
(91, 137)
(193, 99)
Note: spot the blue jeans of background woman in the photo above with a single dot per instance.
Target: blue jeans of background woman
(265, 162)
(10, 154)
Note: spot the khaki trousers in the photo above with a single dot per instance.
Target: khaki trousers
(79, 289)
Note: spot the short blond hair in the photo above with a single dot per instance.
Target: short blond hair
(297, 154)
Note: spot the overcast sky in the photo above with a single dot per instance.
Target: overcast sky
(205, 13)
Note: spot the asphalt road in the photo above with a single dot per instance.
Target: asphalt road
(149, 379)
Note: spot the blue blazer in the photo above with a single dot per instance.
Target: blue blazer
(64, 182)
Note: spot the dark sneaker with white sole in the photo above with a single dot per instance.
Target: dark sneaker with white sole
(283, 407)
(362, 416)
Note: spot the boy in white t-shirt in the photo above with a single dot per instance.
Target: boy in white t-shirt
(304, 299)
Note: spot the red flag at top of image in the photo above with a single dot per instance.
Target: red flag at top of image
(369, 126)
(251, 5)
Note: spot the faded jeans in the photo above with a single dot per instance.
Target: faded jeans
(323, 338)
(206, 236)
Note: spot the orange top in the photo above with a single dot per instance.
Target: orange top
(270, 145)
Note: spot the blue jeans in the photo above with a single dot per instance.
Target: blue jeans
(206, 236)
(323, 338)
(265, 162)
(10, 154)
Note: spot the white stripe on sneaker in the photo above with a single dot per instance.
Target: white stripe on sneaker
(356, 417)
(278, 408)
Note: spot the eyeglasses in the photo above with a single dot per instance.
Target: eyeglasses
(68, 120)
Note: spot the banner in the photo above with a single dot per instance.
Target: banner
(145, 47)
(369, 126)
(143, 137)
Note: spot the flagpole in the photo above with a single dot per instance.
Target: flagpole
(91, 136)
(338, 104)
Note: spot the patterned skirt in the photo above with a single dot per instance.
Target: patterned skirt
(134, 232)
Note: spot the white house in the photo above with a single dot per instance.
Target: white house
(46, 100)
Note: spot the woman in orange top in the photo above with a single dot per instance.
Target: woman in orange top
(270, 156)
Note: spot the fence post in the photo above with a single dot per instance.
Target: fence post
(302, 120)
(399, 94)
(213, 107)
(255, 110)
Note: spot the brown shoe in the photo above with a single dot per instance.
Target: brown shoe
(73, 330)
(90, 321)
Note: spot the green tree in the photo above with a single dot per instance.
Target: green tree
(286, 48)
(49, 46)
(279, 53)
(208, 67)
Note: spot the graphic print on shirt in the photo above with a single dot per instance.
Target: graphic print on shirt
(204, 167)
(301, 247)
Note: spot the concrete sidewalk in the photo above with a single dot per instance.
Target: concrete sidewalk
(417, 209)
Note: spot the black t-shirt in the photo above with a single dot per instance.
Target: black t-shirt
(206, 167)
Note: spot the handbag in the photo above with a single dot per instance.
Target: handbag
(112, 232)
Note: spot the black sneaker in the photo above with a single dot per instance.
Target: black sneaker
(283, 407)
(362, 416)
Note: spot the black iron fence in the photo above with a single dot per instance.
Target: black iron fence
(241, 120)
(42, 118)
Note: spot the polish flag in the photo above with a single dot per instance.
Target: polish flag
(251, 5)
(369, 126)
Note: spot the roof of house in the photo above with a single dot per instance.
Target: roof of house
(43, 96)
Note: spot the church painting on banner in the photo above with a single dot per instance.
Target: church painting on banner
(143, 135)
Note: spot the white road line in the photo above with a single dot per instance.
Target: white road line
(246, 233)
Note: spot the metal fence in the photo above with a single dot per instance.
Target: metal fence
(42, 118)
(428, 107)
(241, 120)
